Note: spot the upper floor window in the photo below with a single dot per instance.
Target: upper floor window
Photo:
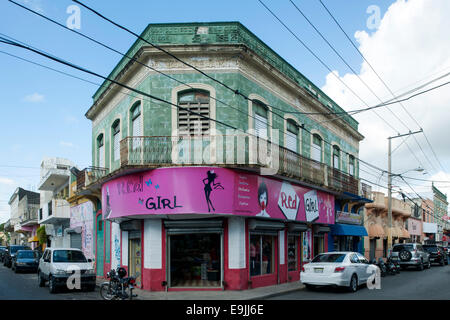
(100, 151)
(136, 126)
(351, 165)
(292, 135)
(316, 148)
(336, 157)
(260, 113)
(191, 101)
(116, 140)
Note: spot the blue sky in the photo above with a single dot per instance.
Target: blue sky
(43, 111)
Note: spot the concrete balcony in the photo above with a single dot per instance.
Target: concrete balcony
(399, 207)
(378, 201)
(54, 179)
(59, 213)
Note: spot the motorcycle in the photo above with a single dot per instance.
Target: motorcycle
(119, 286)
(391, 267)
(395, 265)
(380, 264)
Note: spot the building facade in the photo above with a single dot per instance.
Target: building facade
(54, 210)
(440, 211)
(213, 191)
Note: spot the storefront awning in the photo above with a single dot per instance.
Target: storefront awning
(73, 230)
(193, 226)
(376, 231)
(33, 239)
(348, 230)
(405, 234)
(297, 227)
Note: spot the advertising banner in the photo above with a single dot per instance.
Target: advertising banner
(210, 190)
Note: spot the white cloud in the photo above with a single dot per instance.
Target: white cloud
(6, 181)
(411, 43)
(66, 144)
(34, 98)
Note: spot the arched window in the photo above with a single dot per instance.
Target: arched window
(351, 165)
(197, 101)
(136, 125)
(100, 151)
(116, 140)
(316, 148)
(336, 157)
(292, 135)
(260, 113)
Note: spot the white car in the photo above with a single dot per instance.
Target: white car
(57, 265)
(343, 269)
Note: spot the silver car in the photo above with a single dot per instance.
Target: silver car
(410, 254)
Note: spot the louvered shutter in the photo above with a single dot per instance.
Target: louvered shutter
(137, 132)
(101, 157)
(291, 141)
(117, 146)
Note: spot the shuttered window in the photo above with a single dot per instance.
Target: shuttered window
(136, 125)
(260, 114)
(351, 165)
(101, 152)
(316, 148)
(336, 157)
(116, 140)
(292, 136)
(190, 123)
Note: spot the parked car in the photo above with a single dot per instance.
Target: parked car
(25, 260)
(338, 269)
(410, 254)
(437, 254)
(11, 252)
(56, 266)
(2, 252)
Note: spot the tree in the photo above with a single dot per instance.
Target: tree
(42, 235)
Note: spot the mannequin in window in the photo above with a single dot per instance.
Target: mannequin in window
(263, 198)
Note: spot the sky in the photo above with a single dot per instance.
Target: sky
(405, 42)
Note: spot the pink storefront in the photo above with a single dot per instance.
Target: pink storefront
(210, 228)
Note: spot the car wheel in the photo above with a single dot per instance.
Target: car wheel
(41, 280)
(51, 284)
(420, 267)
(353, 287)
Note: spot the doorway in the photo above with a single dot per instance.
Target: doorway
(135, 256)
(99, 250)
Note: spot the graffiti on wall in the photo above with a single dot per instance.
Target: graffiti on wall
(82, 216)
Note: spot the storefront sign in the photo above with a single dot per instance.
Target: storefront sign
(348, 218)
(207, 190)
(429, 227)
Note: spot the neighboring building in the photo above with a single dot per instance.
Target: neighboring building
(188, 203)
(24, 206)
(440, 211)
(414, 223)
(429, 225)
(376, 221)
(54, 210)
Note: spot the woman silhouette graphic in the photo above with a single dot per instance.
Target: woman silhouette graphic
(209, 185)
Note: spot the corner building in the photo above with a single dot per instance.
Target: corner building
(189, 204)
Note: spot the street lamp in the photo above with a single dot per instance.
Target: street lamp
(389, 244)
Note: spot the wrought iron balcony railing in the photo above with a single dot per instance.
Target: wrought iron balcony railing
(89, 175)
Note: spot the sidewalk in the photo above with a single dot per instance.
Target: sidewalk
(251, 294)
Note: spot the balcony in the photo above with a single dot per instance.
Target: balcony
(58, 212)
(53, 179)
(88, 176)
(238, 151)
(29, 219)
(378, 201)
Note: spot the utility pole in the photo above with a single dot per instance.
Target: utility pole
(389, 244)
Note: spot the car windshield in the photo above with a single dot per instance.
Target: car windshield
(399, 248)
(333, 257)
(27, 255)
(68, 256)
(431, 249)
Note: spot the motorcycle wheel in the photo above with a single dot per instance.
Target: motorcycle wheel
(106, 292)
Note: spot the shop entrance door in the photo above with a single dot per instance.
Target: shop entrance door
(99, 251)
(195, 260)
(135, 261)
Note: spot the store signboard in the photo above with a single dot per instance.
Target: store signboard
(348, 218)
(211, 190)
(429, 227)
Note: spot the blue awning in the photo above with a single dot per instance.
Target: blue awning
(348, 230)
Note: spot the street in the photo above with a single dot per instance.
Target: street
(430, 284)
(24, 286)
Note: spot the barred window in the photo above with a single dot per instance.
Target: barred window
(190, 123)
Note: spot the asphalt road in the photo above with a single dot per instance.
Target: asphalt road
(430, 284)
(24, 286)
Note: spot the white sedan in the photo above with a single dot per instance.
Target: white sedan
(343, 269)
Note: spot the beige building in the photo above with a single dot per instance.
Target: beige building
(376, 222)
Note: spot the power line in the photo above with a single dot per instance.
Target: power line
(387, 87)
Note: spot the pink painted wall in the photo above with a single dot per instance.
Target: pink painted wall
(187, 190)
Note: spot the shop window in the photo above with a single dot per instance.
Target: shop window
(293, 242)
(262, 255)
(318, 244)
